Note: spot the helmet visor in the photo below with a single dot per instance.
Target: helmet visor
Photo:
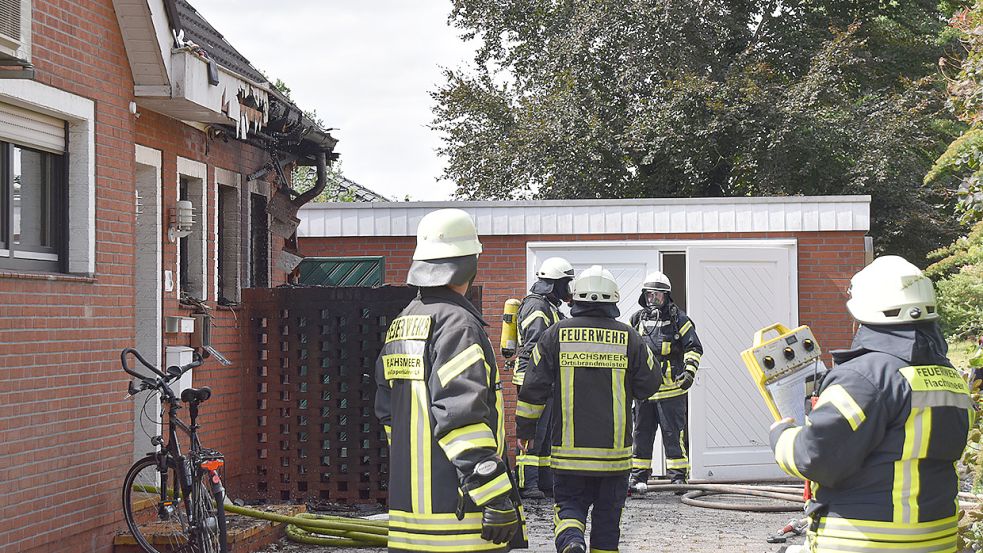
(655, 298)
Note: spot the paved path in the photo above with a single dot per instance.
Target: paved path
(656, 522)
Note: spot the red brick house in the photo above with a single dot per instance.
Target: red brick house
(111, 111)
(737, 265)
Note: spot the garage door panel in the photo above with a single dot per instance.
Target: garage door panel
(736, 291)
(732, 292)
(628, 267)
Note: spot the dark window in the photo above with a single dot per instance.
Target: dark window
(228, 245)
(32, 209)
(674, 267)
(259, 242)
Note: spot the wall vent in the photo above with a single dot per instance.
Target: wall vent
(10, 13)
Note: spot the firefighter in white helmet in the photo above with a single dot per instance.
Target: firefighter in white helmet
(892, 418)
(671, 334)
(439, 397)
(592, 366)
(537, 312)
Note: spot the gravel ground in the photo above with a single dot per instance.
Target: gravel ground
(655, 522)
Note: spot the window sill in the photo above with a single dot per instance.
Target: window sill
(60, 277)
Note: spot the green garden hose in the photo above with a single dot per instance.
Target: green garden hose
(309, 528)
(325, 530)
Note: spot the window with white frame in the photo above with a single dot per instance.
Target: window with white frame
(32, 208)
(47, 179)
(192, 248)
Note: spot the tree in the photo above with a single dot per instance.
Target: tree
(604, 99)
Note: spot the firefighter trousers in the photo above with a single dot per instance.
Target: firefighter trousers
(575, 495)
(533, 467)
(671, 414)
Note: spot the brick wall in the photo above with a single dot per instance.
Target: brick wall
(62, 424)
(66, 434)
(221, 415)
(826, 261)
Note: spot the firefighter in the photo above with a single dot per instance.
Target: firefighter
(538, 311)
(592, 366)
(892, 418)
(439, 397)
(671, 335)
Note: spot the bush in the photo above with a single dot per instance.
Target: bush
(958, 276)
(961, 301)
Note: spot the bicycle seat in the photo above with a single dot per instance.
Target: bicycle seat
(196, 395)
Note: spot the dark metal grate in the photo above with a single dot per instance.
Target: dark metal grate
(315, 434)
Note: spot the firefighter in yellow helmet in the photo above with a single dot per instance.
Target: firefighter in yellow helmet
(892, 419)
(592, 366)
(439, 397)
(537, 312)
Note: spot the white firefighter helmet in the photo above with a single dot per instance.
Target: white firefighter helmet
(595, 284)
(890, 291)
(447, 249)
(446, 233)
(555, 268)
(657, 280)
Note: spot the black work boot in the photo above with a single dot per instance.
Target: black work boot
(533, 493)
(678, 481)
(575, 547)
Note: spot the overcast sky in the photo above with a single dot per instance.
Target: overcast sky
(366, 68)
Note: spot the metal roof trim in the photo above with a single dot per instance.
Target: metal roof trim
(589, 202)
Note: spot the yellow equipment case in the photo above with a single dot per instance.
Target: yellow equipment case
(785, 369)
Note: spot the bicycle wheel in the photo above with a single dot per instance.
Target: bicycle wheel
(159, 525)
(210, 532)
(163, 525)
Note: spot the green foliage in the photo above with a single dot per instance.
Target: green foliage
(963, 160)
(604, 99)
(958, 276)
(961, 301)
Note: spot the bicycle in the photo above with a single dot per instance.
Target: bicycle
(180, 497)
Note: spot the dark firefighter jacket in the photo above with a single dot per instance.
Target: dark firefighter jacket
(674, 341)
(882, 442)
(439, 397)
(598, 365)
(536, 314)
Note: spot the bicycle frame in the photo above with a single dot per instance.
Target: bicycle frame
(170, 454)
(187, 468)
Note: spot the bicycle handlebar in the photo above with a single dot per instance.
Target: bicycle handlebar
(173, 372)
(126, 367)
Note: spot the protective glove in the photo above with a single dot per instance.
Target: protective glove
(685, 380)
(499, 520)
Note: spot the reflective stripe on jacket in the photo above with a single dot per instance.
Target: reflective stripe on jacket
(440, 397)
(675, 343)
(536, 314)
(593, 367)
(882, 442)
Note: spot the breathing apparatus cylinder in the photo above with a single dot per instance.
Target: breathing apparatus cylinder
(510, 330)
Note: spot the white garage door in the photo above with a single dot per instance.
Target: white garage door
(732, 291)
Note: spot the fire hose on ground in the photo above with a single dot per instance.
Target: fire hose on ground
(337, 531)
(785, 499)
(325, 530)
